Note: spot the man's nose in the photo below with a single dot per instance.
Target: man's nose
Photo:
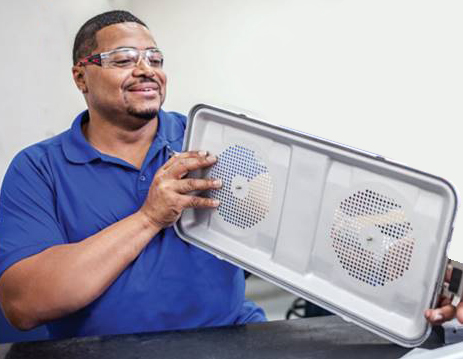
(144, 66)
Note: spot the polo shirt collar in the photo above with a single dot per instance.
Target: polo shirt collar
(167, 131)
(77, 149)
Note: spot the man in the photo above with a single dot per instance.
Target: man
(86, 243)
(86, 238)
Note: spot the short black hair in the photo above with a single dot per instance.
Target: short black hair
(85, 41)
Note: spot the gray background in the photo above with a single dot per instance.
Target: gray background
(383, 76)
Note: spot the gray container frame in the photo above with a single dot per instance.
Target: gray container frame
(193, 225)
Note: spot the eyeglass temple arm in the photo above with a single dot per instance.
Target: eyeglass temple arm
(92, 59)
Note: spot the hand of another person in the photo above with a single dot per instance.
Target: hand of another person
(169, 192)
(444, 310)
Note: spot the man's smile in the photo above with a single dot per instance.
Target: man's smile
(146, 88)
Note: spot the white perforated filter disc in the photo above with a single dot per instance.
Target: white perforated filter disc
(247, 187)
(372, 237)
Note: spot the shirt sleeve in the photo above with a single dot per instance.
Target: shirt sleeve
(28, 221)
(250, 313)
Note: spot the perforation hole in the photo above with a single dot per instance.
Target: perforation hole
(247, 187)
(372, 238)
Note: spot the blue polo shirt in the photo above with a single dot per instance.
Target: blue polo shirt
(63, 190)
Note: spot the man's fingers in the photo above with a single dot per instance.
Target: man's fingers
(444, 301)
(440, 315)
(200, 202)
(182, 155)
(460, 312)
(184, 165)
(195, 184)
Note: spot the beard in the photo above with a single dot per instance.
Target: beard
(143, 114)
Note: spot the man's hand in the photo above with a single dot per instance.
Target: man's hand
(168, 195)
(445, 311)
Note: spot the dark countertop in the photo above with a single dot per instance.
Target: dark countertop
(321, 337)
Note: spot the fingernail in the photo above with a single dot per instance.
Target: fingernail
(437, 317)
(217, 183)
(211, 158)
(202, 153)
(215, 202)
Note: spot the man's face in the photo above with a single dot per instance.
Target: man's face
(115, 92)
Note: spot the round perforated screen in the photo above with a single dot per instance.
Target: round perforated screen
(372, 237)
(246, 187)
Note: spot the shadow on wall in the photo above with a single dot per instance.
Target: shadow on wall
(8, 334)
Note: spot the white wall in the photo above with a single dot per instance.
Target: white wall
(38, 97)
(383, 76)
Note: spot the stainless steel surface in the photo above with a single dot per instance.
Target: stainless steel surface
(359, 235)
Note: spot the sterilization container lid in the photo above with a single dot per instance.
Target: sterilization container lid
(360, 235)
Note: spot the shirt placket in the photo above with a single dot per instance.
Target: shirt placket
(147, 172)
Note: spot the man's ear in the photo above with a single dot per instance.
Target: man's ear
(78, 73)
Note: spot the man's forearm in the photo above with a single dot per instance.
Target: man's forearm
(65, 278)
